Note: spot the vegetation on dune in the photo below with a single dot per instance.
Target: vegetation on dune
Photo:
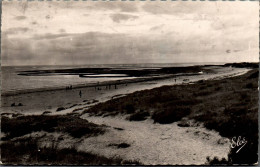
(139, 116)
(28, 152)
(121, 145)
(74, 126)
(17, 149)
(229, 106)
(243, 65)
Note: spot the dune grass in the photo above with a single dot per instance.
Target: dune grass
(73, 125)
(27, 152)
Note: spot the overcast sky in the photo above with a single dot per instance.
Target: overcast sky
(91, 32)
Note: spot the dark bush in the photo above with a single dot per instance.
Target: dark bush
(170, 115)
(216, 161)
(46, 112)
(94, 101)
(60, 109)
(131, 162)
(123, 145)
(249, 85)
(129, 108)
(203, 93)
(139, 116)
(183, 123)
(254, 75)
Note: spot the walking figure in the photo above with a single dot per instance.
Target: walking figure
(80, 93)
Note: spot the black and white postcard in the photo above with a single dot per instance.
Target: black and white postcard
(111, 82)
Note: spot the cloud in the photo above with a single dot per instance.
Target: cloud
(127, 32)
(122, 17)
(48, 17)
(62, 30)
(122, 6)
(50, 36)
(180, 8)
(155, 28)
(16, 30)
(96, 47)
(20, 17)
(16, 51)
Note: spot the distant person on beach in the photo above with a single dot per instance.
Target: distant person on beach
(175, 80)
(80, 94)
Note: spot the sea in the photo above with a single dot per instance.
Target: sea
(12, 82)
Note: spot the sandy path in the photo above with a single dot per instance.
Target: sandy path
(153, 144)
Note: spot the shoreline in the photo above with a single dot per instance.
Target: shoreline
(150, 75)
(138, 75)
(50, 100)
(91, 85)
(142, 75)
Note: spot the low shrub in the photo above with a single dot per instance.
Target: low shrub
(170, 115)
(254, 75)
(129, 108)
(249, 85)
(139, 116)
(123, 145)
(60, 109)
